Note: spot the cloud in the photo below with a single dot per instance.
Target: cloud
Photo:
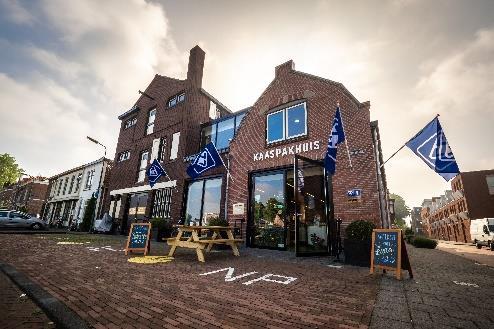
(76, 83)
(16, 13)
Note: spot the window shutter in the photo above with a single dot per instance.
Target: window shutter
(155, 149)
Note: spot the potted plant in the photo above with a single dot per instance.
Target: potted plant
(160, 228)
(357, 244)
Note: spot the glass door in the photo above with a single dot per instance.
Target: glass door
(267, 220)
(312, 207)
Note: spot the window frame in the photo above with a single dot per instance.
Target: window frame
(121, 156)
(285, 111)
(490, 188)
(282, 128)
(176, 99)
(151, 124)
(140, 168)
(130, 123)
(89, 180)
(214, 127)
(203, 181)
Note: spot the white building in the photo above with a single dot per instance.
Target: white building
(70, 191)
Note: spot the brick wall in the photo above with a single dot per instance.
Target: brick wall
(321, 97)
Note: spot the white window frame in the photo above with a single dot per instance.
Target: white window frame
(142, 169)
(130, 122)
(175, 146)
(285, 123)
(125, 155)
(282, 128)
(150, 125)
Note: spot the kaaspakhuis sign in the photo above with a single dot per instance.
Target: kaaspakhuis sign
(287, 150)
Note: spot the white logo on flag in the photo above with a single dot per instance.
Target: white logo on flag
(438, 156)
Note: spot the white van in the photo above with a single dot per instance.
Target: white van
(482, 232)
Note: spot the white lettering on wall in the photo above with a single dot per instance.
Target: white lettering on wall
(288, 150)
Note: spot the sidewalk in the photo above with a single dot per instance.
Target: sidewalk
(17, 310)
(447, 291)
(482, 256)
(259, 289)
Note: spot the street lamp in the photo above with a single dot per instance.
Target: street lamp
(99, 183)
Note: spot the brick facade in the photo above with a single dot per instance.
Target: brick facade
(185, 117)
(29, 194)
(289, 87)
(321, 97)
(448, 217)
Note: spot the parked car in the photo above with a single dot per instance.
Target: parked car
(17, 219)
(482, 232)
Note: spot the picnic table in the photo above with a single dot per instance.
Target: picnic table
(194, 241)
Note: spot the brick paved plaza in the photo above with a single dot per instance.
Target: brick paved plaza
(95, 280)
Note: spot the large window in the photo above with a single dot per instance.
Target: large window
(150, 125)
(221, 132)
(142, 167)
(287, 123)
(203, 201)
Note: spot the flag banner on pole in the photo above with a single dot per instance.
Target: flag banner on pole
(301, 180)
(208, 158)
(154, 172)
(431, 145)
(336, 137)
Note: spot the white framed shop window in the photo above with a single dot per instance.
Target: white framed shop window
(175, 144)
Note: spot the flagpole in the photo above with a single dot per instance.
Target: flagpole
(346, 143)
(437, 115)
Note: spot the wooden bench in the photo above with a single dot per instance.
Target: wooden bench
(195, 242)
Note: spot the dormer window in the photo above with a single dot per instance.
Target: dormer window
(131, 122)
(150, 125)
(176, 100)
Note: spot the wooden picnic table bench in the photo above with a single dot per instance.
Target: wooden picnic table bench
(195, 242)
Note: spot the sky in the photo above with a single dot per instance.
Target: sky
(69, 68)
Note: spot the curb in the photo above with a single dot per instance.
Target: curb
(62, 316)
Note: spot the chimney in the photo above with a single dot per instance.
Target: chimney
(196, 66)
(284, 68)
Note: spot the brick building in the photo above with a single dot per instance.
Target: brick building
(70, 191)
(29, 195)
(291, 120)
(165, 124)
(277, 165)
(471, 197)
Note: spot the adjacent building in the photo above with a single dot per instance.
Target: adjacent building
(273, 184)
(28, 195)
(471, 197)
(70, 191)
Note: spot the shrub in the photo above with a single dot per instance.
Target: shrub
(360, 230)
(216, 221)
(421, 242)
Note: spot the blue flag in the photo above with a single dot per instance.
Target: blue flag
(430, 145)
(208, 158)
(336, 137)
(154, 172)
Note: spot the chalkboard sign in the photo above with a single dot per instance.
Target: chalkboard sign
(389, 251)
(138, 239)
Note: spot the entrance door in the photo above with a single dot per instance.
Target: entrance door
(312, 207)
(267, 222)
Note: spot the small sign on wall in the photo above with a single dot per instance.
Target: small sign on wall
(354, 195)
(238, 208)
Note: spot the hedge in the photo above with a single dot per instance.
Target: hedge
(421, 242)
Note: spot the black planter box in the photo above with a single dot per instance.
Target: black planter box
(357, 252)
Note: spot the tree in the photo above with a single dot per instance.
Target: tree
(9, 170)
(401, 210)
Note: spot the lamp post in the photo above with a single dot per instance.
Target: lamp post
(99, 183)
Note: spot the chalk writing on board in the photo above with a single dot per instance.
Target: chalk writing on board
(386, 249)
(138, 236)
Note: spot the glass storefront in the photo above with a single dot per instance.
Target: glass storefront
(203, 201)
(289, 211)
